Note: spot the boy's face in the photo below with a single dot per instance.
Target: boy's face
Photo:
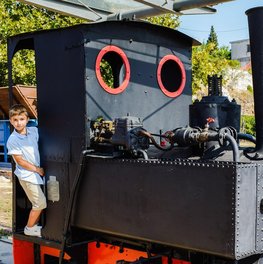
(19, 122)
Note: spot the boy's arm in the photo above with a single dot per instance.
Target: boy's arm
(27, 165)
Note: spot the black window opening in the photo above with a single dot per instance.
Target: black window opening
(22, 74)
(171, 76)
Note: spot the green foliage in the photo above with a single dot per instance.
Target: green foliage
(250, 88)
(107, 73)
(5, 232)
(208, 59)
(248, 125)
(18, 18)
(167, 20)
(24, 71)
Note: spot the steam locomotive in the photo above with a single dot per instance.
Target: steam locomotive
(136, 172)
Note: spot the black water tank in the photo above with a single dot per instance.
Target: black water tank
(224, 112)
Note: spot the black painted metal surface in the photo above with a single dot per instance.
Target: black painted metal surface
(255, 22)
(208, 207)
(224, 112)
(144, 47)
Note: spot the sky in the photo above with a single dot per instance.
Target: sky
(230, 22)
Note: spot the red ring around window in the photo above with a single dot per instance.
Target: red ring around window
(125, 60)
(180, 88)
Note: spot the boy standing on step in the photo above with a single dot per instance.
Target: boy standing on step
(23, 146)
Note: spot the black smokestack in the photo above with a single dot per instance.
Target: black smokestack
(255, 22)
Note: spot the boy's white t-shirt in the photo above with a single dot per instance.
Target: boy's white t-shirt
(27, 146)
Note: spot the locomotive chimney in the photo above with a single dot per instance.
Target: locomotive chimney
(255, 22)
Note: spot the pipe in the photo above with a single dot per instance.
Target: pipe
(255, 22)
(70, 205)
(215, 136)
(234, 146)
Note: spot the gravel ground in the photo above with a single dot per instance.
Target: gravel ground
(5, 200)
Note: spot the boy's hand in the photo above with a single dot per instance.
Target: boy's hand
(40, 171)
(27, 165)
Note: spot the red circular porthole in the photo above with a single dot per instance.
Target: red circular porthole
(113, 69)
(171, 75)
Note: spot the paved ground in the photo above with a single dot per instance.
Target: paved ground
(6, 256)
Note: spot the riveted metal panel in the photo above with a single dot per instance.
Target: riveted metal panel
(246, 210)
(177, 203)
(259, 237)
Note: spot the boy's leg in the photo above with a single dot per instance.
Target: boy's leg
(38, 200)
(33, 217)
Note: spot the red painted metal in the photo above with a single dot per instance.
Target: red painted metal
(126, 63)
(44, 250)
(23, 251)
(109, 254)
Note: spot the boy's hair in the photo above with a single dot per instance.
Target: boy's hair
(17, 109)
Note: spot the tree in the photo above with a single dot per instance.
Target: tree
(212, 38)
(206, 60)
(167, 20)
(209, 59)
(18, 18)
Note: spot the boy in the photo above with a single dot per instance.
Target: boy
(23, 146)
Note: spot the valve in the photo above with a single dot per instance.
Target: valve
(209, 120)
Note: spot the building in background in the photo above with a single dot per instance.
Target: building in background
(240, 50)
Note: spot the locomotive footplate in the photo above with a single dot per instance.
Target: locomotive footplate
(211, 207)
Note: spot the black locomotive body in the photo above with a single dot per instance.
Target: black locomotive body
(131, 171)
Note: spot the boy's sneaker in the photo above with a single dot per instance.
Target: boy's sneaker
(33, 231)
